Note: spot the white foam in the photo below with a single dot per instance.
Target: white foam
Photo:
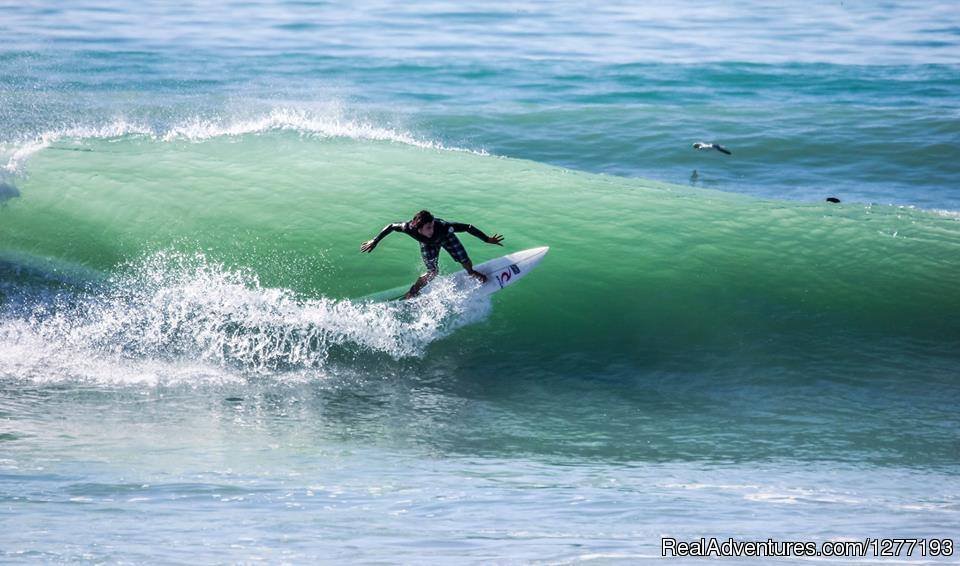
(175, 317)
(22, 151)
(29, 355)
(326, 125)
(945, 213)
(954, 214)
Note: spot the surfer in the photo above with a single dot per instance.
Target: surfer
(434, 233)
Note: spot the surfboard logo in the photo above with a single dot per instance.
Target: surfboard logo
(506, 275)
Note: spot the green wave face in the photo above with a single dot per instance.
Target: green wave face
(637, 270)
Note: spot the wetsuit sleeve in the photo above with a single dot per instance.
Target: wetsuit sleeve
(395, 227)
(473, 230)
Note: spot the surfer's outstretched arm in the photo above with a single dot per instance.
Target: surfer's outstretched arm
(477, 233)
(370, 244)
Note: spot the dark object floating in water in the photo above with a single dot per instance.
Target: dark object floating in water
(234, 399)
(833, 199)
(7, 192)
(704, 146)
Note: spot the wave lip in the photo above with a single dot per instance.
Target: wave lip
(332, 125)
(300, 121)
(118, 128)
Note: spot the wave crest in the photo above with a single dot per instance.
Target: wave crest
(331, 125)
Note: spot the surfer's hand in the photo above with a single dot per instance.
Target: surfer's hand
(367, 246)
(478, 276)
(495, 239)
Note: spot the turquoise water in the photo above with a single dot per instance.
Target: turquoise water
(709, 349)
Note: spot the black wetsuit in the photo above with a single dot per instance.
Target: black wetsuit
(444, 235)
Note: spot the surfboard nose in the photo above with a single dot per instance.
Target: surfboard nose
(530, 254)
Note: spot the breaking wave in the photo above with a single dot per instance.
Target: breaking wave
(173, 317)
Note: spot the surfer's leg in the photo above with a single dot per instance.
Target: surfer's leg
(456, 250)
(430, 255)
(452, 244)
(468, 266)
(419, 284)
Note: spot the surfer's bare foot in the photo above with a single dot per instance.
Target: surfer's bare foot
(478, 276)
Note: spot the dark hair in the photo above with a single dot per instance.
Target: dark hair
(421, 218)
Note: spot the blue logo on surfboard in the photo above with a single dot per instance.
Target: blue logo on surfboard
(506, 275)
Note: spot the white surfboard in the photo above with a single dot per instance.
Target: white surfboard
(501, 272)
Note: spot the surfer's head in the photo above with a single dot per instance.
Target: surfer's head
(423, 223)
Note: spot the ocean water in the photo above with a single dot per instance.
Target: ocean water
(188, 375)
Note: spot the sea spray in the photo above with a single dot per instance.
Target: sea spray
(174, 307)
